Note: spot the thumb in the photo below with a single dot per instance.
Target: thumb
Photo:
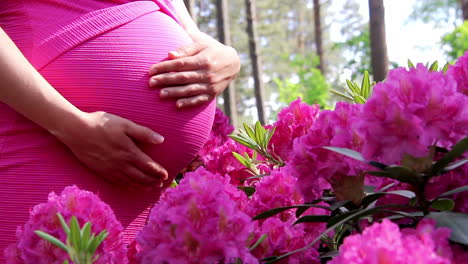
(185, 51)
(143, 134)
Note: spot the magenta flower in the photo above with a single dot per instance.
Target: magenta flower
(200, 221)
(384, 243)
(87, 207)
(459, 72)
(409, 112)
(219, 133)
(315, 166)
(293, 122)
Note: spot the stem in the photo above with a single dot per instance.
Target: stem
(421, 196)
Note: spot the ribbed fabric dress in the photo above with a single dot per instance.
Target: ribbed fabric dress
(97, 55)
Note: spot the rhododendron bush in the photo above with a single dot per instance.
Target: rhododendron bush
(383, 180)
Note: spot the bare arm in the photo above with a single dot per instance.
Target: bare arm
(103, 142)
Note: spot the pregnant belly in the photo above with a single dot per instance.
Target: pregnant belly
(110, 73)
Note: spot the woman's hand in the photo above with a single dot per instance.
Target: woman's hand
(196, 73)
(105, 144)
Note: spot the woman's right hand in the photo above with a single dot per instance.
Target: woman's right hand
(105, 143)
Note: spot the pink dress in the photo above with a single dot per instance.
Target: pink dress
(97, 55)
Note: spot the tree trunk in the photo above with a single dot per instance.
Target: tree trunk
(464, 7)
(318, 35)
(224, 35)
(190, 4)
(379, 58)
(255, 57)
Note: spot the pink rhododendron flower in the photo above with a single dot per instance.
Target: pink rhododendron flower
(219, 133)
(283, 237)
(200, 221)
(293, 121)
(409, 112)
(459, 72)
(87, 207)
(384, 243)
(315, 166)
(222, 161)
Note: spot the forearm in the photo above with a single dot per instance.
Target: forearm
(26, 91)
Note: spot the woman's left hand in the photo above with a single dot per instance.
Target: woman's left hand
(196, 73)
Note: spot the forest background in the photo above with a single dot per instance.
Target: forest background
(291, 48)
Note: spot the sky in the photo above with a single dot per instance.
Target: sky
(405, 40)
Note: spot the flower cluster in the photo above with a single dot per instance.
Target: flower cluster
(384, 242)
(198, 222)
(86, 207)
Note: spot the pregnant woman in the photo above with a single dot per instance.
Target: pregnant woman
(114, 96)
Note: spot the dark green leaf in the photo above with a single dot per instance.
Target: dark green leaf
(401, 214)
(457, 150)
(399, 173)
(378, 165)
(455, 165)
(51, 239)
(259, 241)
(247, 189)
(278, 210)
(330, 254)
(457, 222)
(454, 191)
(347, 152)
(443, 204)
(313, 219)
(365, 87)
(366, 201)
(339, 204)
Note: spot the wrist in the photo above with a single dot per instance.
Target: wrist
(67, 124)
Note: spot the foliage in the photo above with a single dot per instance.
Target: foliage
(437, 12)
(81, 244)
(356, 93)
(457, 41)
(308, 83)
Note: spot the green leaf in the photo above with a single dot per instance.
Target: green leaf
(75, 233)
(434, 66)
(249, 191)
(330, 254)
(359, 99)
(85, 235)
(365, 87)
(64, 224)
(366, 201)
(246, 142)
(457, 150)
(98, 240)
(347, 152)
(259, 134)
(274, 211)
(410, 64)
(446, 66)
(443, 204)
(454, 191)
(457, 222)
(401, 214)
(240, 159)
(341, 94)
(51, 239)
(249, 131)
(399, 173)
(353, 87)
(455, 165)
(259, 241)
(313, 219)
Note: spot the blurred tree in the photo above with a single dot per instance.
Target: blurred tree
(457, 41)
(255, 58)
(378, 42)
(224, 35)
(318, 35)
(190, 4)
(464, 8)
(438, 12)
(308, 83)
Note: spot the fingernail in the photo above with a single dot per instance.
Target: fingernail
(174, 53)
(164, 93)
(153, 82)
(158, 139)
(162, 184)
(179, 105)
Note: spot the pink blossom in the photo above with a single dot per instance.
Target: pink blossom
(200, 221)
(219, 133)
(459, 72)
(293, 121)
(87, 207)
(315, 166)
(409, 112)
(384, 243)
